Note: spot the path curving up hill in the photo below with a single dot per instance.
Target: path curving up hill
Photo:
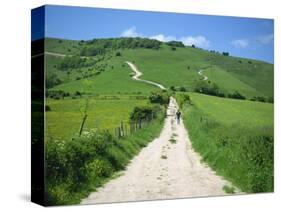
(201, 74)
(163, 170)
(138, 74)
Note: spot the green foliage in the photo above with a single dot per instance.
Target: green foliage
(175, 44)
(77, 166)
(183, 99)
(47, 108)
(96, 45)
(106, 112)
(161, 97)
(72, 62)
(52, 80)
(262, 99)
(92, 51)
(164, 66)
(144, 113)
(225, 53)
(56, 94)
(204, 87)
(228, 189)
(236, 95)
(235, 138)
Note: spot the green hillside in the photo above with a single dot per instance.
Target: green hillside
(177, 67)
(98, 117)
(235, 137)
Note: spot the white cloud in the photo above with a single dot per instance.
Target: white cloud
(265, 39)
(162, 37)
(199, 41)
(240, 43)
(131, 32)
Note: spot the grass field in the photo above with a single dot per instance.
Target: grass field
(229, 111)
(85, 163)
(177, 68)
(234, 137)
(64, 119)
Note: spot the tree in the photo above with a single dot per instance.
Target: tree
(142, 113)
(225, 54)
(236, 95)
(173, 88)
(175, 44)
(193, 46)
(208, 88)
(159, 97)
(52, 80)
(118, 54)
(182, 89)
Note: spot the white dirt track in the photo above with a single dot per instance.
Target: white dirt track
(163, 170)
(138, 74)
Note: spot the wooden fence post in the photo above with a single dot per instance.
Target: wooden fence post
(82, 125)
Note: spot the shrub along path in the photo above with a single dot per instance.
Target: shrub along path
(167, 168)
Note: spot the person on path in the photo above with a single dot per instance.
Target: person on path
(178, 116)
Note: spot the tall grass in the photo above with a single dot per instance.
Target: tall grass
(243, 155)
(76, 167)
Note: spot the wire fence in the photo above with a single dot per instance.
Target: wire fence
(130, 127)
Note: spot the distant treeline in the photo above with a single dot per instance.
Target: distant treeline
(72, 62)
(212, 89)
(99, 46)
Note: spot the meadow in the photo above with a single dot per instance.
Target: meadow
(235, 137)
(80, 165)
(65, 117)
(171, 67)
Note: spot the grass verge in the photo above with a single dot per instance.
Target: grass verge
(79, 166)
(243, 154)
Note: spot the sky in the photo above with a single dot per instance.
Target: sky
(243, 37)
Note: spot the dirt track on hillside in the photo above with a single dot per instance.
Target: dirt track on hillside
(162, 170)
(138, 74)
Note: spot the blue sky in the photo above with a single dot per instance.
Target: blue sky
(244, 37)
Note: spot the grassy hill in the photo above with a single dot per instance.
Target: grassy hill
(169, 66)
(235, 137)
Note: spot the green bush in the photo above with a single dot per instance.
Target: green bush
(205, 87)
(92, 51)
(144, 113)
(236, 95)
(52, 80)
(56, 94)
(77, 166)
(47, 108)
(159, 97)
(73, 62)
(175, 44)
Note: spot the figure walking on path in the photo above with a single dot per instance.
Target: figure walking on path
(178, 116)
